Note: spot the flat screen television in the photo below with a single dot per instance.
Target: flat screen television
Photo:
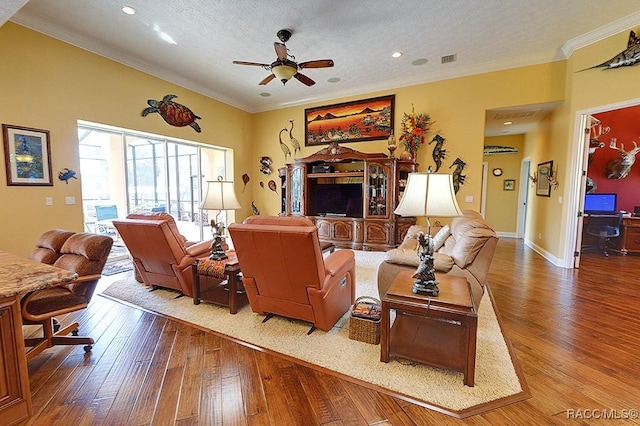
(336, 199)
(600, 203)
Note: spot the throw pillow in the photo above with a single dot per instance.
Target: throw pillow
(403, 256)
(441, 262)
(440, 237)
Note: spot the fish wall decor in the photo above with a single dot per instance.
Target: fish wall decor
(629, 56)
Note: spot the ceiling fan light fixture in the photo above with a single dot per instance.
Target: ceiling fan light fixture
(284, 72)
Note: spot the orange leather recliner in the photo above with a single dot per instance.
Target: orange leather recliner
(163, 257)
(285, 273)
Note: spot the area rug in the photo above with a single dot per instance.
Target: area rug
(498, 379)
(117, 266)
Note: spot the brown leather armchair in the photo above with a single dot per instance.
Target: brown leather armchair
(163, 257)
(85, 254)
(285, 273)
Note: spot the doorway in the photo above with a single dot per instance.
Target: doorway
(580, 171)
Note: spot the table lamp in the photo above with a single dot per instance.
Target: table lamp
(220, 196)
(428, 194)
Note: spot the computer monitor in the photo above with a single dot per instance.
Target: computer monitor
(601, 203)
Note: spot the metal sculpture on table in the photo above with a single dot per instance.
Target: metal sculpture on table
(425, 275)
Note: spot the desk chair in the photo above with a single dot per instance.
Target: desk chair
(604, 228)
(84, 254)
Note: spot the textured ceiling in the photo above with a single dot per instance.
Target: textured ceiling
(193, 42)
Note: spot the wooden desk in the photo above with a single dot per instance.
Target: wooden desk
(19, 276)
(630, 235)
(627, 242)
(439, 331)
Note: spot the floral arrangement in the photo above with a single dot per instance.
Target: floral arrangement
(414, 128)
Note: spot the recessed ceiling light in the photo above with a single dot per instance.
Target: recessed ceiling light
(420, 61)
(265, 94)
(506, 123)
(396, 54)
(129, 10)
(333, 80)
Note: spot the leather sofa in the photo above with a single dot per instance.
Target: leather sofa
(465, 248)
(163, 257)
(284, 271)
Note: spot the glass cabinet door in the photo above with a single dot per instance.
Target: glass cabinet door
(296, 190)
(377, 189)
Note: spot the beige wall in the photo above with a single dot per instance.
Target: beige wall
(502, 205)
(47, 84)
(457, 108)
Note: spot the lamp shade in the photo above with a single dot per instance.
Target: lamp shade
(220, 196)
(429, 194)
(284, 72)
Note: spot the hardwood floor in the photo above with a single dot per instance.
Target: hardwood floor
(576, 334)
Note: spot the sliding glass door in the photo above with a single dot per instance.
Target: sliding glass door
(148, 173)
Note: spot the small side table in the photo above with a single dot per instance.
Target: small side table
(439, 331)
(225, 291)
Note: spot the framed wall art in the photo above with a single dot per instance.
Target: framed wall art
(509, 184)
(27, 156)
(356, 121)
(543, 185)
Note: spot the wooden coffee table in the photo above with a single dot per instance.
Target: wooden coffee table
(227, 291)
(439, 331)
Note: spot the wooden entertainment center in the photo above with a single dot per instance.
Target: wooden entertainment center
(349, 195)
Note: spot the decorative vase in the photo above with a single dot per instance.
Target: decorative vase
(406, 155)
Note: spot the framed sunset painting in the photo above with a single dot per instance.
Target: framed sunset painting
(356, 121)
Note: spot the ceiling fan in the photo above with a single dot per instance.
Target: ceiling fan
(286, 66)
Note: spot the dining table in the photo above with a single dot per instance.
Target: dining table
(19, 276)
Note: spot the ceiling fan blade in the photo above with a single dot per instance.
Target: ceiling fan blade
(267, 79)
(251, 63)
(304, 79)
(320, 63)
(281, 51)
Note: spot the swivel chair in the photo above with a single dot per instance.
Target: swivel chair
(603, 228)
(84, 254)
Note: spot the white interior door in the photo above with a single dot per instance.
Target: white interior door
(523, 197)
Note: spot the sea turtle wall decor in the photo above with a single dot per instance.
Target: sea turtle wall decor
(173, 113)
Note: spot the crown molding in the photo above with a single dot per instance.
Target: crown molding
(601, 33)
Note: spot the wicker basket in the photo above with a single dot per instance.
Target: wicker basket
(364, 322)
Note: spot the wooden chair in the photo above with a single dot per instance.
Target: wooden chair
(84, 254)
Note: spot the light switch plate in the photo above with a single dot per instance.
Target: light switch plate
(48, 201)
(69, 200)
